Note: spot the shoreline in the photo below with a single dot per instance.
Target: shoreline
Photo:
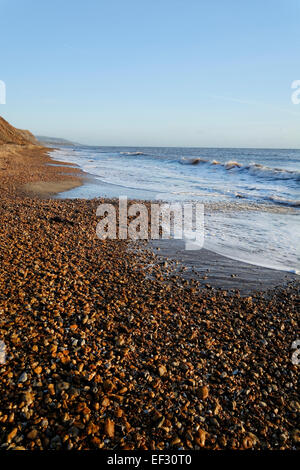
(23, 170)
(219, 272)
(105, 352)
(215, 271)
(211, 269)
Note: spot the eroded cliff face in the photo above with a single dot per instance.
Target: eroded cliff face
(11, 135)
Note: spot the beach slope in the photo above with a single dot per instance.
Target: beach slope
(105, 351)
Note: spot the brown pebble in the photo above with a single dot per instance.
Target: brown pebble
(109, 428)
(203, 392)
(11, 435)
(105, 402)
(32, 434)
(201, 437)
(162, 370)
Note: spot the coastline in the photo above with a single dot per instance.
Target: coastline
(46, 177)
(211, 269)
(27, 170)
(105, 352)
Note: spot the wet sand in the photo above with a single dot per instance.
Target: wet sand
(220, 272)
(106, 350)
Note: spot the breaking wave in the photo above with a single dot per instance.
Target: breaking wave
(254, 169)
(132, 153)
(283, 201)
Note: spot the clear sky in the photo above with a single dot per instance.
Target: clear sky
(213, 73)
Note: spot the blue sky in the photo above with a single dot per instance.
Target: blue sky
(214, 73)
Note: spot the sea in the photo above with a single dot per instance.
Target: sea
(251, 197)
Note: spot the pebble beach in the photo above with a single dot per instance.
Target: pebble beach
(108, 348)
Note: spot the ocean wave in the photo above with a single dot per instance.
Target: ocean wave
(283, 201)
(132, 153)
(254, 169)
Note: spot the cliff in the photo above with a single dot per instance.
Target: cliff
(11, 135)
